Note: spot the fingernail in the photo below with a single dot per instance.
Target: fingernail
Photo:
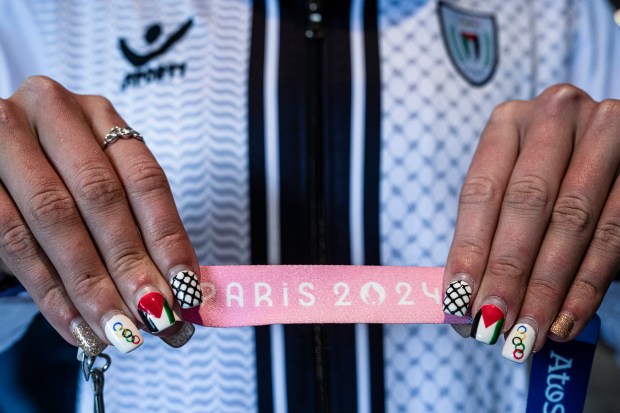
(181, 337)
(464, 330)
(154, 310)
(520, 342)
(489, 321)
(86, 338)
(123, 333)
(562, 325)
(458, 295)
(186, 288)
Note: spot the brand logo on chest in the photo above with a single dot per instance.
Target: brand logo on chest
(146, 73)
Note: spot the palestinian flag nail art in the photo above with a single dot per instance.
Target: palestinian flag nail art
(488, 324)
(187, 289)
(457, 298)
(155, 312)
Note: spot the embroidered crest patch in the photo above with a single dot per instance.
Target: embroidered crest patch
(471, 41)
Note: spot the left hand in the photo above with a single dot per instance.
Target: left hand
(538, 229)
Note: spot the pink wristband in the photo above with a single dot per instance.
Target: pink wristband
(235, 296)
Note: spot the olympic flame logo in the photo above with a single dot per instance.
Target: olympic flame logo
(372, 293)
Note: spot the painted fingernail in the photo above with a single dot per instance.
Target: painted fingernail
(155, 311)
(520, 343)
(181, 337)
(489, 321)
(123, 333)
(464, 330)
(186, 288)
(86, 338)
(562, 325)
(457, 298)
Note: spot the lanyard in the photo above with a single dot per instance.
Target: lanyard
(235, 296)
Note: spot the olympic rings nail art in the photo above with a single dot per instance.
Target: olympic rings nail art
(519, 343)
(123, 333)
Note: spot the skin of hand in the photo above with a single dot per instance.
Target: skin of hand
(538, 227)
(87, 231)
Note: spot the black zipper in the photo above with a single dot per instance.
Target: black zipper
(314, 91)
(315, 34)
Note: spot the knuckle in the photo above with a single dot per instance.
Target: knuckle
(88, 285)
(587, 289)
(607, 234)
(51, 206)
(125, 258)
(48, 294)
(528, 193)
(147, 177)
(16, 240)
(506, 112)
(573, 213)
(558, 97)
(480, 190)
(168, 235)
(507, 267)
(607, 113)
(8, 113)
(46, 90)
(544, 289)
(469, 248)
(101, 104)
(99, 185)
(38, 82)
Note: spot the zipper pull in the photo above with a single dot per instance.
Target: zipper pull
(315, 29)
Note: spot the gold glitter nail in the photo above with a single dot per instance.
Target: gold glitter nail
(86, 338)
(563, 325)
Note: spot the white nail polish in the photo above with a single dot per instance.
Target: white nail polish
(519, 343)
(123, 333)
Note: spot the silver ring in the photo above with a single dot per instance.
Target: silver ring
(118, 132)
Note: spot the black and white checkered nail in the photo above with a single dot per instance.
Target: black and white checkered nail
(458, 296)
(186, 289)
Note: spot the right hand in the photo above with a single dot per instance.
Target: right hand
(89, 233)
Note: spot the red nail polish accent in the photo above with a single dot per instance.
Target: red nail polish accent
(155, 312)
